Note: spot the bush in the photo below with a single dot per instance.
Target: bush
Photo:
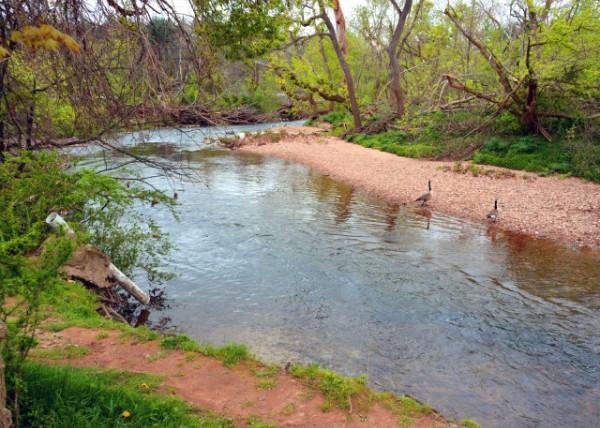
(526, 144)
(496, 146)
(337, 118)
(394, 142)
(32, 185)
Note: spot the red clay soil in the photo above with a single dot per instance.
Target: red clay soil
(206, 382)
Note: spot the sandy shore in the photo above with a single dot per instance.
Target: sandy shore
(551, 207)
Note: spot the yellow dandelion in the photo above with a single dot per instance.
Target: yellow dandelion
(145, 385)
(126, 414)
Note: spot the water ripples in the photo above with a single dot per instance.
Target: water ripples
(499, 328)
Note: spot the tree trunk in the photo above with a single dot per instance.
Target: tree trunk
(345, 68)
(340, 26)
(392, 50)
(529, 120)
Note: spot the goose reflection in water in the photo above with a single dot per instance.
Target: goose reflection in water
(425, 213)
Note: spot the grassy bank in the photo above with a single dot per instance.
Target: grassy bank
(35, 302)
(574, 150)
(60, 395)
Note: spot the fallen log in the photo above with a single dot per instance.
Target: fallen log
(90, 264)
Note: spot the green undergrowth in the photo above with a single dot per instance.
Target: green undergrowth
(63, 396)
(573, 151)
(536, 154)
(395, 142)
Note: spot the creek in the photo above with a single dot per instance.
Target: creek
(477, 323)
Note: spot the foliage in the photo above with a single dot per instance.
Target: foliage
(337, 118)
(45, 37)
(536, 154)
(242, 29)
(59, 396)
(32, 185)
(575, 151)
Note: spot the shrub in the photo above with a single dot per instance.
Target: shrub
(32, 185)
(337, 118)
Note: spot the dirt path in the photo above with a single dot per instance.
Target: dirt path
(552, 207)
(205, 381)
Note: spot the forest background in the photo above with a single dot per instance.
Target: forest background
(514, 83)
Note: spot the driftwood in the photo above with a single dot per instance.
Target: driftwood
(90, 264)
(205, 116)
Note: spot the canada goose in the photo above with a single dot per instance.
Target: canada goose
(493, 214)
(426, 197)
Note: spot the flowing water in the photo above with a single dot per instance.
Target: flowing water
(501, 328)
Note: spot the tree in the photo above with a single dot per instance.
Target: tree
(371, 22)
(31, 257)
(547, 39)
(392, 50)
(242, 29)
(322, 15)
(123, 75)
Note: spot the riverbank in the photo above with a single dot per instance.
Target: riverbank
(244, 393)
(565, 209)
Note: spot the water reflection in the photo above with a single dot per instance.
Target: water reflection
(478, 323)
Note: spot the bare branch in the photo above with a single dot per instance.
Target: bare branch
(500, 70)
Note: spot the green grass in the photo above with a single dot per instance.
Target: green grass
(336, 389)
(231, 353)
(405, 407)
(180, 342)
(536, 154)
(265, 384)
(60, 396)
(574, 151)
(254, 421)
(338, 118)
(72, 305)
(267, 375)
(354, 394)
(422, 136)
(270, 371)
(395, 142)
(61, 353)
(469, 423)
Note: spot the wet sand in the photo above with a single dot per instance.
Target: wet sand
(566, 209)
